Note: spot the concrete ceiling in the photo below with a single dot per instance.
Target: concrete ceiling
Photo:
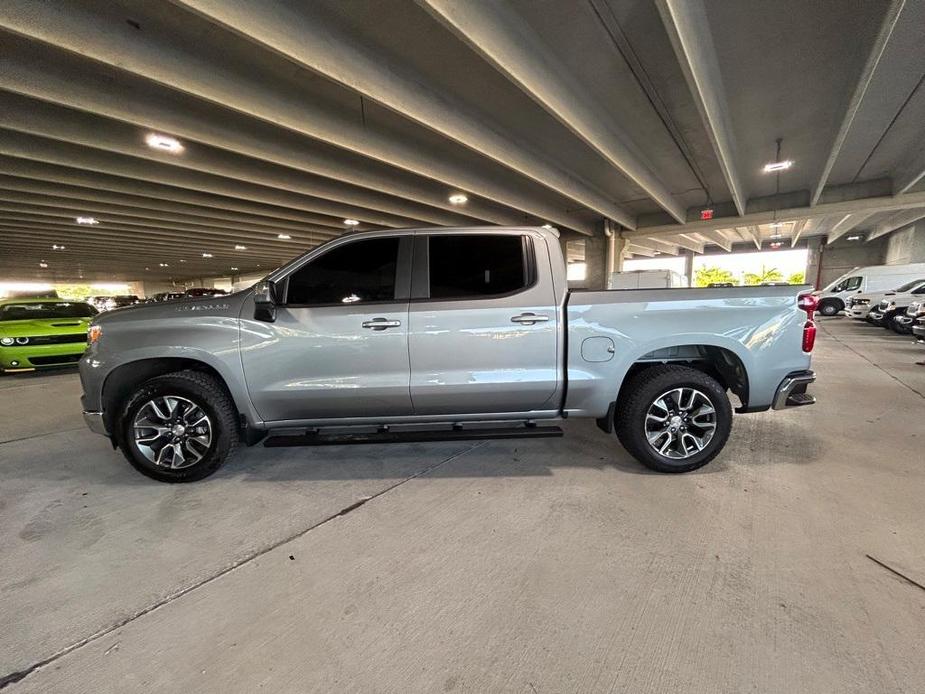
(296, 116)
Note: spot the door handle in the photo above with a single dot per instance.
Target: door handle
(529, 318)
(381, 323)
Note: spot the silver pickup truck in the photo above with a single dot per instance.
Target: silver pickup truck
(434, 334)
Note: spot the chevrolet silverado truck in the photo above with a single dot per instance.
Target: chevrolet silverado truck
(422, 334)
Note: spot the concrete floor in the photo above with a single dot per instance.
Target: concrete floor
(530, 566)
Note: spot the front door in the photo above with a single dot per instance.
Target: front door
(483, 324)
(339, 345)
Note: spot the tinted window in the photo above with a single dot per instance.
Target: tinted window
(473, 266)
(51, 309)
(847, 284)
(908, 286)
(353, 273)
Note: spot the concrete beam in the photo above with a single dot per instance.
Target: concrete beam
(854, 104)
(36, 117)
(895, 222)
(306, 38)
(158, 55)
(636, 249)
(691, 37)
(719, 238)
(36, 173)
(846, 224)
(155, 107)
(661, 245)
(798, 228)
(823, 209)
(685, 241)
(501, 35)
(751, 233)
(55, 152)
(910, 173)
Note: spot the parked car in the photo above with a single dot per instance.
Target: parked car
(481, 332)
(168, 296)
(874, 278)
(895, 305)
(860, 305)
(198, 292)
(918, 325)
(37, 333)
(903, 323)
(108, 303)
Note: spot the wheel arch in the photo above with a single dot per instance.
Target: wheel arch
(123, 379)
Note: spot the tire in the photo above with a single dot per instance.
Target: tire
(830, 307)
(641, 394)
(204, 392)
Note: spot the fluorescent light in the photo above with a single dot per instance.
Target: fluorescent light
(56, 247)
(234, 268)
(43, 264)
(351, 222)
(777, 166)
(776, 225)
(206, 255)
(283, 237)
(87, 220)
(854, 238)
(458, 199)
(163, 265)
(163, 142)
(239, 247)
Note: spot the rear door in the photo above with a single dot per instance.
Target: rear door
(339, 345)
(483, 324)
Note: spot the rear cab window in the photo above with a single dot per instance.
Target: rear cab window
(476, 266)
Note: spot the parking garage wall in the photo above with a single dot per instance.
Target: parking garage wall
(906, 245)
(827, 262)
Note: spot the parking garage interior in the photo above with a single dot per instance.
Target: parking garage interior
(173, 146)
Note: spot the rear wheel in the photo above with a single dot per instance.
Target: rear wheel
(673, 418)
(179, 427)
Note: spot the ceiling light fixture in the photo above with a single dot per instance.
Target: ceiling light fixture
(163, 265)
(163, 142)
(239, 247)
(283, 237)
(87, 220)
(351, 222)
(778, 166)
(56, 247)
(234, 268)
(776, 225)
(854, 238)
(43, 264)
(206, 255)
(458, 199)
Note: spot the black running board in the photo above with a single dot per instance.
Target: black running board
(460, 434)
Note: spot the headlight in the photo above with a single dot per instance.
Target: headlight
(22, 340)
(6, 341)
(861, 302)
(93, 334)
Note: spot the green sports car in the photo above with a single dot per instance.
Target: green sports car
(36, 333)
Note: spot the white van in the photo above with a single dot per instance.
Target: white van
(874, 278)
(646, 279)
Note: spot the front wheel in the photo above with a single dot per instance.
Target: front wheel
(179, 427)
(830, 307)
(673, 418)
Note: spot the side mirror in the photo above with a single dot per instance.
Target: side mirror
(265, 299)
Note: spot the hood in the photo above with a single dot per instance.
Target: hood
(43, 326)
(229, 305)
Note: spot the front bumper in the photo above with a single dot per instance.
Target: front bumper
(792, 390)
(94, 421)
(39, 356)
(875, 316)
(860, 311)
(904, 320)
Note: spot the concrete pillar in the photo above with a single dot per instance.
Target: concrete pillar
(596, 262)
(689, 267)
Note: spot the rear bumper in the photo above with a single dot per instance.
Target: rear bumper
(792, 390)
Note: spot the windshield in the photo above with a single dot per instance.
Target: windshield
(50, 309)
(909, 286)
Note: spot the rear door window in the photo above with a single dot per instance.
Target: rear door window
(474, 266)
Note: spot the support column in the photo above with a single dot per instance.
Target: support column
(689, 267)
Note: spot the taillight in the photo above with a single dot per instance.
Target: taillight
(809, 336)
(808, 303)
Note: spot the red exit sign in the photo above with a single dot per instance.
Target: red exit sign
(706, 214)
